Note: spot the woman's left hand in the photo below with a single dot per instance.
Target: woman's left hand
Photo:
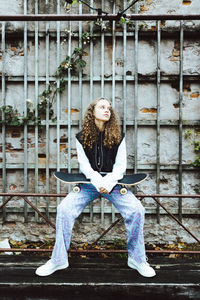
(103, 190)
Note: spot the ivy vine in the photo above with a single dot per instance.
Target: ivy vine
(196, 145)
(75, 63)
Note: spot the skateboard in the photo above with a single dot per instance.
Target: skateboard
(78, 179)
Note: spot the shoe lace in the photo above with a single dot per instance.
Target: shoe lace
(49, 262)
(145, 264)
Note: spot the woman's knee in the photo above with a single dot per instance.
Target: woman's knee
(137, 209)
(64, 206)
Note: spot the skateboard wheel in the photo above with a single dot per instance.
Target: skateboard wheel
(76, 189)
(123, 191)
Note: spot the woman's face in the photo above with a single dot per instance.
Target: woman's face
(102, 110)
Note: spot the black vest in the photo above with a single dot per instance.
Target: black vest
(100, 157)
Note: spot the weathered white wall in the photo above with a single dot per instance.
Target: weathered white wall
(84, 230)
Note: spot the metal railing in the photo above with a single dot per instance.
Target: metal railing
(155, 197)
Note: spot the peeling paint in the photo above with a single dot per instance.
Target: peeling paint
(16, 134)
(186, 87)
(63, 139)
(42, 155)
(73, 110)
(187, 2)
(12, 187)
(143, 8)
(42, 160)
(176, 52)
(154, 28)
(43, 178)
(176, 105)
(62, 147)
(194, 95)
(149, 110)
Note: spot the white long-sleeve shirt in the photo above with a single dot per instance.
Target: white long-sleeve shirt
(110, 180)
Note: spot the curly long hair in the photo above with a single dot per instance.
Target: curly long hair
(90, 131)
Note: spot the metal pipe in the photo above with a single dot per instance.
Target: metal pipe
(108, 229)
(158, 118)
(113, 83)
(36, 106)
(94, 17)
(181, 120)
(137, 195)
(91, 87)
(47, 146)
(3, 95)
(102, 56)
(25, 113)
(135, 142)
(69, 100)
(6, 201)
(100, 251)
(81, 113)
(39, 213)
(124, 95)
(58, 101)
(171, 215)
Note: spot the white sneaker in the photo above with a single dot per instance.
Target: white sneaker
(49, 267)
(143, 268)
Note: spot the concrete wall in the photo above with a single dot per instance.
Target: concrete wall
(147, 112)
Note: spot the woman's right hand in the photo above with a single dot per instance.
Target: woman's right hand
(103, 190)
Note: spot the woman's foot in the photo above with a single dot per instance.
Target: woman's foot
(143, 268)
(49, 267)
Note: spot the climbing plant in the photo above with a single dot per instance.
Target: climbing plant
(195, 143)
(73, 63)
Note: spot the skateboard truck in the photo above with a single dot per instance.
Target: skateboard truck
(123, 190)
(76, 189)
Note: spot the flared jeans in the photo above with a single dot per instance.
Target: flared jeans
(73, 204)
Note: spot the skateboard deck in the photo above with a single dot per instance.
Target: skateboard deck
(77, 179)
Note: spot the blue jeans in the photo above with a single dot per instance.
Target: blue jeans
(73, 204)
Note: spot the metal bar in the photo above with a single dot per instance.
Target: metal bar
(39, 213)
(124, 75)
(80, 79)
(100, 251)
(94, 17)
(181, 120)
(142, 78)
(113, 81)
(91, 87)
(69, 100)
(158, 118)
(91, 60)
(149, 166)
(192, 196)
(171, 215)
(36, 106)
(25, 113)
(47, 41)
(193, 212)
(6, 201)
(112, 225)
(106, 231)
(3, 95)
(102, 54)
(136, 98)
(58, 101)
(102, 93)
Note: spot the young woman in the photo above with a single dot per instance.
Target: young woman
(101, 153)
